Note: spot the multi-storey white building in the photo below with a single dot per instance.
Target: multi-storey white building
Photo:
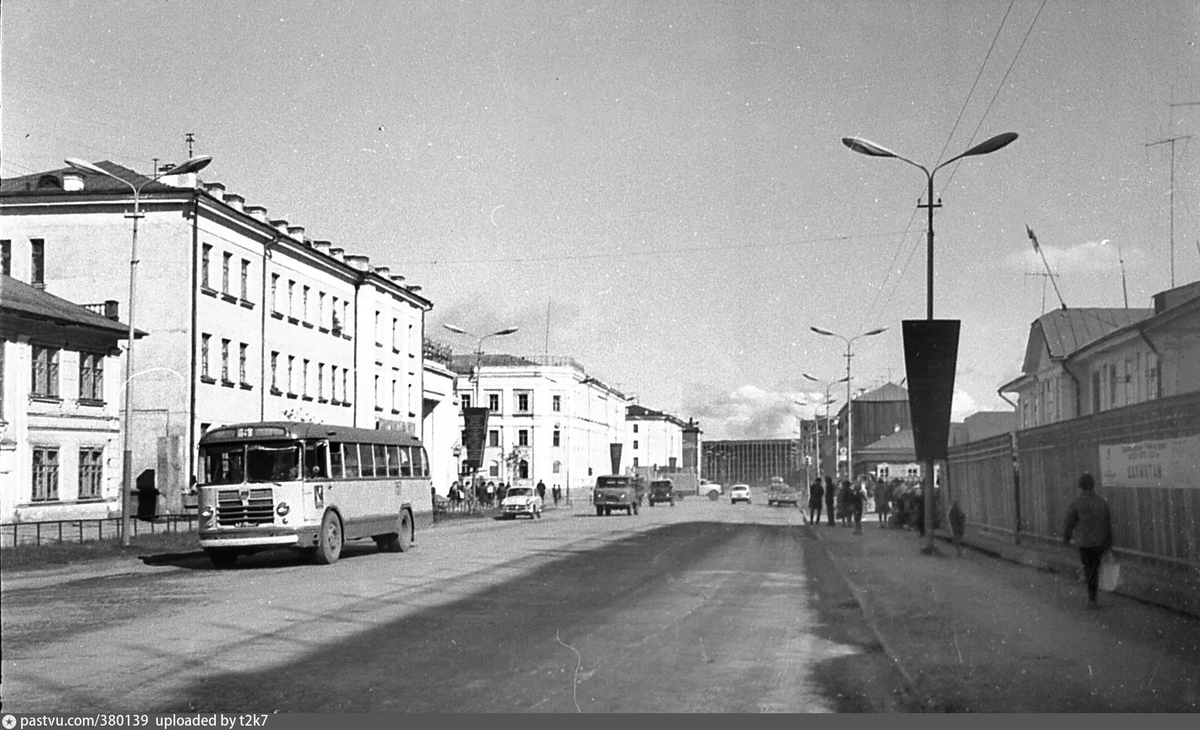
(548, 420)
(60, 437)
(653, 439)
(249, 319)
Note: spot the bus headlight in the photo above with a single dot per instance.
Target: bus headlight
(283, 509)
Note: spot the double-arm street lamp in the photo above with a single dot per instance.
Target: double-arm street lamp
(195, 164)
(849, 403)
(479, 350)
(866, 147)
(828, 400)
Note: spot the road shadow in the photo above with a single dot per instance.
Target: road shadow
(272, 558)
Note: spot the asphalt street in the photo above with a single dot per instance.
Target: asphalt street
(703, 607)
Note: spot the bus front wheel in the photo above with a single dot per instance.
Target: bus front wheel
(329, 542)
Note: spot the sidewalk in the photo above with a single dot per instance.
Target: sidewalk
(980, 634)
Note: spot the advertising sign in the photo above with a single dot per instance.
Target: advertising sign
(1170, 463)
(930, 358)
(474, 435)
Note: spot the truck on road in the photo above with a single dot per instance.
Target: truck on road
(618, 492)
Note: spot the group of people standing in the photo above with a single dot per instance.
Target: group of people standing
(491, 494)
(845, 501)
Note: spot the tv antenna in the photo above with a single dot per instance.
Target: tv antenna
(1044, 277)
(1120, 260)
(1171, 141)
(1049, 274)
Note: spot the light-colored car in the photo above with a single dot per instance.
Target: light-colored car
(521, 501)
(712, 490)
(739, 493)
(780, 492)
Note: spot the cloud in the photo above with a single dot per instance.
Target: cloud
(1079, 258)
(748, 412)
(961, 405)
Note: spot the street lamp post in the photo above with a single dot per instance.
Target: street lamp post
(195, 164)
(849, 402)
(871, 149)
(479, 367)
(829, 399)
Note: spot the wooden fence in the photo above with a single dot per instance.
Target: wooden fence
(1158, 524)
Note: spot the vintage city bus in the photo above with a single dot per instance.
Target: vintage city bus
(308, 486)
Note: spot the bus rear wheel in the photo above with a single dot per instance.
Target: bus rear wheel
(329, 541)
(399, 541)
(222, 559)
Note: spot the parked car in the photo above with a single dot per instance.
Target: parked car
(712, 490)
(662, 490)
(739, 493)
(521, 501)
(780, 492)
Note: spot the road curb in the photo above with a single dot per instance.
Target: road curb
(868, 612)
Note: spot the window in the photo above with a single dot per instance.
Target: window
(205, 256)
(274, 292)
(557, 437)
(275, 372)
(333, 383)
(494, 402)
(225, 262)
(291, 295)
(204, 340)
(290, 370)
(345, 395)
(635, 444)
(225, 361)
(321, 381)
(45, 371)
(524, 401)
(1112, 386)
(465, 398)
(1152, 379)
(1128, 372)
(523, 437)
(351, 461)
(304, 304)
(242, 351)
(37, 271)
(245, 280)
(395, 403)
(493, 438)
(45, 475)
(91, 376)
(1095, 391)
(556, 404)
(556, 468)
(395, 332)
(378, 330)
(304, 379)
(320, 309)
(91, 473)
(635, 428)
(6, 258)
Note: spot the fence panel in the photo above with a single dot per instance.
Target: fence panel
(1156, 523)
(980, 476)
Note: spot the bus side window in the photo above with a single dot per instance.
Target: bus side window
(396, 459)
(380, 459)
(367, 461)
(314, 460)
(420, 462)
(351, 454)
(335, 461)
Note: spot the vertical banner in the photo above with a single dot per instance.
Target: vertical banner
(930, 358)
(475, 433)
(614, 453)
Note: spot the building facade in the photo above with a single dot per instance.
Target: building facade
(877, 413)
(1080, 362)
(251, 319)
(548, 420)
(751, 461)
(60, 428)
(653, 439)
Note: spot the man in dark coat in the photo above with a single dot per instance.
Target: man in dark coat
(816, 497)
(1089, 514)
(830, 493)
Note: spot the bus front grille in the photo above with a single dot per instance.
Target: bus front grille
(258, 508)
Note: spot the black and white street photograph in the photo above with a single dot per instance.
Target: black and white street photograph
(597, 357)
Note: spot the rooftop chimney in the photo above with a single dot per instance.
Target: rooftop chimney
(383, 271)
(358, 261)
(338, 253)
(296, 232)
(215, 189)
(322, 246)
(72, 182)
(257, 212)
(235, 201)
(396, 278)
(280, 224)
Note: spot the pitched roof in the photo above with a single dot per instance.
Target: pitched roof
(33, 303)
(50, 181)
(1065, 331)
(884, 393)
(899, 441)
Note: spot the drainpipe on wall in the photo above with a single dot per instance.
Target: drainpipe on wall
(358, 281)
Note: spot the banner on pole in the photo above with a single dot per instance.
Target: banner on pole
(930, 359)
(614, 454)
(474, 434)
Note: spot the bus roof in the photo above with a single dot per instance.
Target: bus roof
(296, 430)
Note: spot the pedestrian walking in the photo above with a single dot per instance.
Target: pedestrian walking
(830, 494)
(856, 501)
(1089, 514)
(958, 526)
(541, 490)
(883, 499)
(491, 493)
(556, 491)
(816, 497)
(843, 502)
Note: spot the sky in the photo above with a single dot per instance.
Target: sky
(659, 189)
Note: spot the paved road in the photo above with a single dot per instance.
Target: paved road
(704, 607)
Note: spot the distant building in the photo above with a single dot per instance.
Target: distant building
(751, 461)
(60, 427)
(877, 413)
(982, 425)
(1084, 361)
(653, 439)
(250, 318)
(548, 420)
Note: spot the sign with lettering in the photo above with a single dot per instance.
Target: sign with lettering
(1170, 463)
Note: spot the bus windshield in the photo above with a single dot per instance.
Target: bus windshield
(257, 462)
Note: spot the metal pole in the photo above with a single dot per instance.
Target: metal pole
(849, 419)
(127, 467)
(929, 483)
